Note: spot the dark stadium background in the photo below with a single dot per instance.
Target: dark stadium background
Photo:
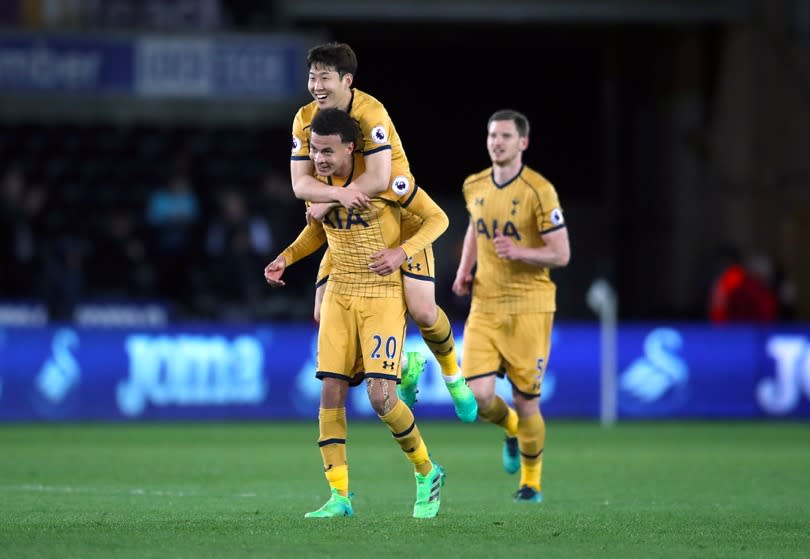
(671, 130)
(441, 82)
(637, 118)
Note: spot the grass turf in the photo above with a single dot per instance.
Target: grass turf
(241, 490)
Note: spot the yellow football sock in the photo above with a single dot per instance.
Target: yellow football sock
(531, 440)
(501, 414)
(403, 426)
(332, 444)
(338, 478)
(439, 338)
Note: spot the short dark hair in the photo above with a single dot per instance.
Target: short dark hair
(520, 120)
(334, 121)
(339, 56)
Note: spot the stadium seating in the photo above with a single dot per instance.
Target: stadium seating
(91, 170)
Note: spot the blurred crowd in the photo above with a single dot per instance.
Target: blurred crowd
(187, 217)
(201, 252)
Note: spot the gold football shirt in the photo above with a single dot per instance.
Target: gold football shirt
(376, 127)
(523, 209)
(354, 235)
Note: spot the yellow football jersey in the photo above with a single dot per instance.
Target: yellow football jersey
(376, 127)
(353, 235)
(523, 209)
(420, 223)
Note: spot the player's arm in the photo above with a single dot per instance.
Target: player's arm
(464, 277)
(376, 129)
(302, 172)
(369, 183)
(374, 180)
(307, 187)
(554, 254)
(319, 210)
(310, 239)
(435, 222)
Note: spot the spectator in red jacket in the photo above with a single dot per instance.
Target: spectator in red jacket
(742, 292)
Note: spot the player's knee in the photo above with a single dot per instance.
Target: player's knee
(333, 393)
(484, 394)
(423, 313)
(381, 396)
(484, 401)
(526, 406)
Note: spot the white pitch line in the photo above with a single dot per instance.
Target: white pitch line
(66, 489)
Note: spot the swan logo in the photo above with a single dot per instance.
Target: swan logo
(658, 382)
(61, 371)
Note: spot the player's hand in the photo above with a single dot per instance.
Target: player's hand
(462, 283)
(274, 271)
(385, 262)
(317, 211)
(505, 248)
(352, 199)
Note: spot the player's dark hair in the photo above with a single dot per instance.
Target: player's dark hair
(339, 56)
(328, 122)
(520, 120)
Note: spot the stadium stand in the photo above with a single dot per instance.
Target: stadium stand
(86, 186)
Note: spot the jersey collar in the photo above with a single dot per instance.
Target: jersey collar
(510, 181)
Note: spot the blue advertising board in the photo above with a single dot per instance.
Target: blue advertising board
(225, 67)
(269, 68)
(266, 371)
(65, 64)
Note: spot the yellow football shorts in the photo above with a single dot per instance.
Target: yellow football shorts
(515, 345)
(360, 337)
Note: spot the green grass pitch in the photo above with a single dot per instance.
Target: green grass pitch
(228, 490)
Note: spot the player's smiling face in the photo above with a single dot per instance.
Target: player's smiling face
(328, 88)
(330, 155)
(504, 143)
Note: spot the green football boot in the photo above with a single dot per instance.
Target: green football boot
(463, 400)
(408, 387)
(510, 456)
(337, 505)
(428, 492)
